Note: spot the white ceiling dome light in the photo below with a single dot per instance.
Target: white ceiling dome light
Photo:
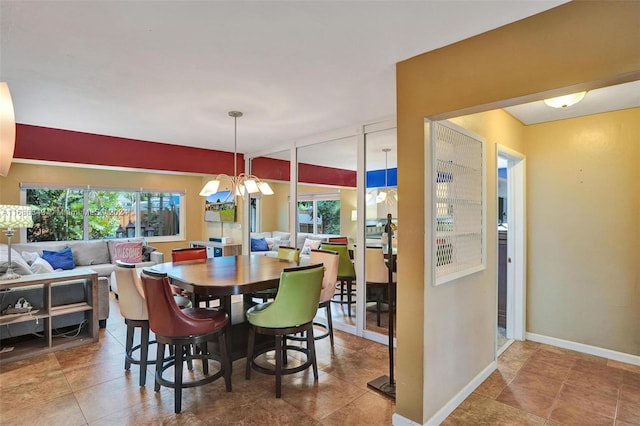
(565, 101)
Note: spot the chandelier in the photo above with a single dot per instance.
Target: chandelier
(240, 184)
(386, 195)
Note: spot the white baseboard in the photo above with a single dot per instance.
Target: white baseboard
(448, 408)
(453, 403)
(587, 349)
(398, 420)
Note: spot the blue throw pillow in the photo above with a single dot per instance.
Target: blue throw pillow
(259, 244)
(62, 259)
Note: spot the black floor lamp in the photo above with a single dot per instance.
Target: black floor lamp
(387, 384)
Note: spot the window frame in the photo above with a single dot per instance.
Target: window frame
(314, 199)
(181, 236)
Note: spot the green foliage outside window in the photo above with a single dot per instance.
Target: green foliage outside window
(58, 214)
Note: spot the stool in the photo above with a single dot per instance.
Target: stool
(180, 329)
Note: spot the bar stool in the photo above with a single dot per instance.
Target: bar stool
(134, 310)
(185, 255)
(330, 261)
(291, 312)
(291, 254)
(181, 328)
(377, 278)
(346, 273)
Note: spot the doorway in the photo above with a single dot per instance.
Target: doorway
(510, 316)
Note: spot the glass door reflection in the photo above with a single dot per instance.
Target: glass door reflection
(326, 200)
(381, 200)
(269, 214)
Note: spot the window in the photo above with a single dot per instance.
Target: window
(93, 213)
(319, 213)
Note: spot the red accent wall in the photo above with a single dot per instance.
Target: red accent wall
(270, 168)
(66, 146)
(43, 143)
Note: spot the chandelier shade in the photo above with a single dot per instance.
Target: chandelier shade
(238, 184)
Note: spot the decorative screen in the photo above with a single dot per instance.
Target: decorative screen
(458, 203)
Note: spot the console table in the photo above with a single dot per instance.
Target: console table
(215, 249)
(32, 346)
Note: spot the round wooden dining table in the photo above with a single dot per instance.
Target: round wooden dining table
(224, 277)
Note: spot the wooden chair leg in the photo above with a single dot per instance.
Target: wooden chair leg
(311, 347)
(177, 378)
(159, 363)
(285, 358)
(187, 350)
(349, 298)
(329, 322)
(225, 361)
(278, 371)
(128, 346)
(144, 354)
(204, 349)
(250, 345)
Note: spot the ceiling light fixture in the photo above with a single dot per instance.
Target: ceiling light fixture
(565, 101)
(386, 195)
(241, 184)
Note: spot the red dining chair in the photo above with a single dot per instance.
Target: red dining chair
(186, 255)
(180, 329)
(190, 253)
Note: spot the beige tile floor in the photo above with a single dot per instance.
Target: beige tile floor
(88, 385)
(534, 384)
(537, 384)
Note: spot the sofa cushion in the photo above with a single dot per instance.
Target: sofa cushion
(146, 252)
(62, 259)
(87, 253)
(261, 235)
(39, 246)
(104, 270)
(281, 235)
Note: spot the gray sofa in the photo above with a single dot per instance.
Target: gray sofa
(275, 239)
(96, 255)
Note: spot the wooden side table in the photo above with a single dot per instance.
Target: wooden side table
(25, 348)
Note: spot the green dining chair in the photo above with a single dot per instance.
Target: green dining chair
(346, 273)
(291, 312)
(291, 254)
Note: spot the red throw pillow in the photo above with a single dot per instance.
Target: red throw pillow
(127, 252)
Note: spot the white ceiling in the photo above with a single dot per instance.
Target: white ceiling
(170, 71)
(620, 96)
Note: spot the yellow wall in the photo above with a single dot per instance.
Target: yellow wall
(577, 45)
(195, 230)
(584, 230)
(275, 208)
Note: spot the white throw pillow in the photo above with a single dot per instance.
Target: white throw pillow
(18, 263)
(30, 256)
(41, 266)
(310, 245)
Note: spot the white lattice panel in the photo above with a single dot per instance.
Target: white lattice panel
(458, 203)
